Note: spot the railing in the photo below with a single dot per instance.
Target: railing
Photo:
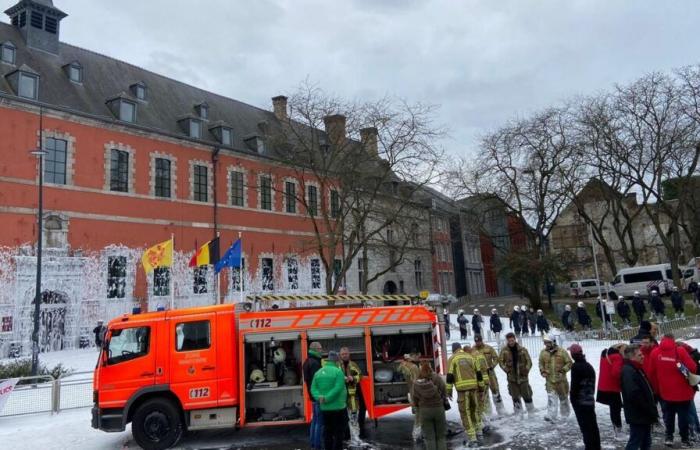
(43, 393)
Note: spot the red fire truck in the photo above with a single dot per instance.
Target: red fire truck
(219, 366)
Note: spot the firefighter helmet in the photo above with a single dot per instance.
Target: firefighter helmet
(257, 376)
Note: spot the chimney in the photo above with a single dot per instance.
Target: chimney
(368, 137)
(335, 129)
(279, 107)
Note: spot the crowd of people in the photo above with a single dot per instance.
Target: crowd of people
(647, 379)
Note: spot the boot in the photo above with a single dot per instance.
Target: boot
(617, 433)
(564, 409)
(500, 410)
(417, 433)
(530, 408)
(552, 401)
(518, 408)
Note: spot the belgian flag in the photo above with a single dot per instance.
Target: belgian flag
(206, 254)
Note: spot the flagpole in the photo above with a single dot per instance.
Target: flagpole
(240, 268)
(172, 274)
(218, 277)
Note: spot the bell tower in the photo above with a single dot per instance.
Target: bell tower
(39, 22)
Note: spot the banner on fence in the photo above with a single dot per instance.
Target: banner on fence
(6, 388)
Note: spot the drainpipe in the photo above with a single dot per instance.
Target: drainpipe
(215, 164)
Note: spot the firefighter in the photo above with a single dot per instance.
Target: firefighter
(482, 370)
(515, 361)
(491, 361)
(555, 362)
(462, 375)
(352, 374)
(410, 371)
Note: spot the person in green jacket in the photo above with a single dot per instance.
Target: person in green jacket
(328, 388)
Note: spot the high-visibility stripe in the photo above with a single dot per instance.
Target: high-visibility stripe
(359, 297)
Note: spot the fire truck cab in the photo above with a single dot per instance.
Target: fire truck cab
(216, 367)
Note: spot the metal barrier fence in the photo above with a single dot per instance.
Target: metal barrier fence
(43, 393)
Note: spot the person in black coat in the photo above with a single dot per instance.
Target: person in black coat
(567, 320)
(644, 331)
(542, 324)
(523, 321)
(583, 399)
(623, 310)
(462, 321)
(637, 399)
(657, 306)
(678, 303)
(447, 324)
(495, 323)
(99, 331)
(639, 308)
(583, 318)
(309, 369)
(515, 320)
(477, 322)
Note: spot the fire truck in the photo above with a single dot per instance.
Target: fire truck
(239, 365)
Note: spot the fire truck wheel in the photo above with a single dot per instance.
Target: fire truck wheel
(157, 424)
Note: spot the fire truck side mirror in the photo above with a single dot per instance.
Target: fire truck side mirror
(247, 306)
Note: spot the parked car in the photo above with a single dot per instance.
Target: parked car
(585, 288)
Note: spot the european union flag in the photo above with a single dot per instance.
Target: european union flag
(232, 257)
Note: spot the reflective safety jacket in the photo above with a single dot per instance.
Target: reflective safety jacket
(410, 372)
(490, 355)
(461, 372)
(482, 368)
(353, 370)
(554, 364)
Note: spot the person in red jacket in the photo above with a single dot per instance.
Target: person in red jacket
(671, 386)
(609, 384)
(647, 345)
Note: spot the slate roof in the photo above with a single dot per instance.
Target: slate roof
(105, 78)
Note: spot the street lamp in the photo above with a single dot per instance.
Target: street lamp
(39, 153)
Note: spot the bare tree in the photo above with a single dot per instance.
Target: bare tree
(526, 165)
(366, 161)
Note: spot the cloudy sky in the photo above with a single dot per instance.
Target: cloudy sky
(482, 61)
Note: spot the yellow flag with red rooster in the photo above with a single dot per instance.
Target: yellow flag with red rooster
(160, 255)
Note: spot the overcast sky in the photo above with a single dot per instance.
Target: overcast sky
(482, 61)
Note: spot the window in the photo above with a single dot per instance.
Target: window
(51, 25)
(6, 324)
(162, 181)
(139, 90)
(202, 110)
(292, 273)
(237, 189)
(642, 277)
(161, 281)
(8, 53)
(588, 284)
(266, 193)
(199, 286)
(119, 171)
(116, 276)
(236, 277)
(192, 336)
(335, 204)
(337, 268)
(312, 200)
(290, 196)
(75, 73)
(200, 183)
(267, 281)
(127, 343)
(127, 111)
(226, 136)
(37, 20)
(418, 271)
(28, 86)
(195, 129)
(402, 288)
(55, 160)
(315, 273)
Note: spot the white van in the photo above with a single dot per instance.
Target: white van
(643, 279)
(585, 288)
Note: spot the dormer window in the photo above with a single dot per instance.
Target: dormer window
(223, 134)
(138, 90)
(123, 108)
(8, 53)
(25, 82)
(255, 143)
(192, 127)
(74, 71)
(202, 111)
